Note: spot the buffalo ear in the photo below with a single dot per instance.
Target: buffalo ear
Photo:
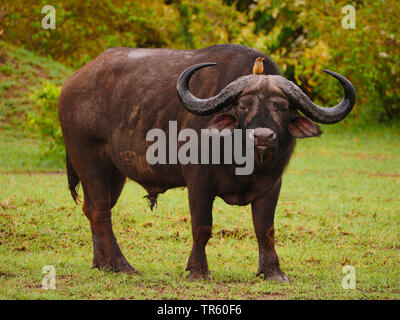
(302, 127)
(223, 121)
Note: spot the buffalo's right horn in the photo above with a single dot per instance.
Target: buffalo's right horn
(213, 104)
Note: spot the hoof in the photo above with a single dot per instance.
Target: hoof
(278, 277)
(275, 276)
(129, 271)
(195, 276)
(118, 268)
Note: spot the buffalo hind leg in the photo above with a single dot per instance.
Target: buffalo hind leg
(102, 184)
(106, 253)
(201, 220)
(263, 211)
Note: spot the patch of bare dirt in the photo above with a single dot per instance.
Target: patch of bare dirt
(6, 274)
(391, 175)
(357, 155)
(366, 156)
(5, 204)
(235, 233)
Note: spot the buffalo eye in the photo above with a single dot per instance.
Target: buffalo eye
(245, 103)
(281, 106)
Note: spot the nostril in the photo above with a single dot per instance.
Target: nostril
(264, 134)
(272, 136)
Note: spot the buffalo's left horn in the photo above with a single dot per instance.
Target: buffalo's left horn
(314, 111)
(209, 105)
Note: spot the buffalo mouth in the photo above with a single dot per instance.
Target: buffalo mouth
(264, 153)
(263, 147)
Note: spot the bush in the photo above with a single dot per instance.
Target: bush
(306, 36)
(84, 29)
(43, 120)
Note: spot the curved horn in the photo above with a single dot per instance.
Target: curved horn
(317, 113)
(209, 105)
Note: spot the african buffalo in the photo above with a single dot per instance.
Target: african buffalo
(108, 106)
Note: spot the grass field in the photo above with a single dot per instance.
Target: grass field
(339, 206)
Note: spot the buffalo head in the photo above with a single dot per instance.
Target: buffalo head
(268, 104)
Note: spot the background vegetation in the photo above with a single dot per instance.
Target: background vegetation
(302, 36)
(340, 201)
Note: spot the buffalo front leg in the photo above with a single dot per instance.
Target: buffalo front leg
(263, 211)
(201, 219)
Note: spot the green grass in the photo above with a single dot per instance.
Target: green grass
(19, 153)
(339, 205)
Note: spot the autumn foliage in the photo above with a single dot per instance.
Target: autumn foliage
(303, 37)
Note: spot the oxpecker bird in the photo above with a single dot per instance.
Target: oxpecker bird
(258, 66)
